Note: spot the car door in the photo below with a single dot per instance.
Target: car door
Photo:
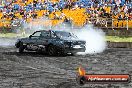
(43, 39)
(32, 43)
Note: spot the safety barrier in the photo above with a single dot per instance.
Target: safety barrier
(111, 23)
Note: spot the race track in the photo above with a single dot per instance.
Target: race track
(35, 70)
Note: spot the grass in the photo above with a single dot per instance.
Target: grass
(108, 38)
(118, 39)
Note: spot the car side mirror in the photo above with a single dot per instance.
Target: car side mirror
(30, 36)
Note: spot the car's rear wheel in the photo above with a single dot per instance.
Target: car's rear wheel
(21, 48)
(52, 50)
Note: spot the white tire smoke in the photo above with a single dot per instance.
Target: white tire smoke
(95, 39)
(6, 42)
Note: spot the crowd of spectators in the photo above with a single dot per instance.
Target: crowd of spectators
(30, 9)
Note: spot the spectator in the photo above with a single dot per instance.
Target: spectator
(26, 9)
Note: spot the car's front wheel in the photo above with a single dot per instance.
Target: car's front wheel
(21, 48)
(52, 50)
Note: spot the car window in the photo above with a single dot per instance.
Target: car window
(65, 35)
(37, 34)
(45, 34)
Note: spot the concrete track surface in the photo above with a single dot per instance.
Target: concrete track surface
(35, 70)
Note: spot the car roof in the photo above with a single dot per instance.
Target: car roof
(50, 30)
(42, 30)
